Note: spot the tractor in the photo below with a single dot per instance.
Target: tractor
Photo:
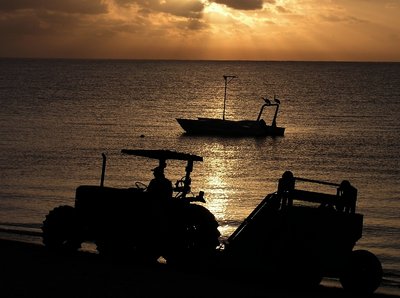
(135, 222)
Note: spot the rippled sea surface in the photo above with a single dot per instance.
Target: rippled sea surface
(342, 121)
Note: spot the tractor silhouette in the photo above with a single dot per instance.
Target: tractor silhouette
(292, 236)
(135, 222)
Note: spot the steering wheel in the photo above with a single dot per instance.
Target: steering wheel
(141, 186)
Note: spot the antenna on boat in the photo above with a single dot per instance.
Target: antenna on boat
(227, 80)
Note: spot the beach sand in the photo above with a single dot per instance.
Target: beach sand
(29, 270)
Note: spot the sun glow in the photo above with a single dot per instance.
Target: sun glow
(214, 8)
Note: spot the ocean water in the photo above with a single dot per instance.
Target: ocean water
(342, 122)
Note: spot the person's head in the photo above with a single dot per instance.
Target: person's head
(158, 172)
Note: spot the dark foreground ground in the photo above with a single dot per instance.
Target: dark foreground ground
(28, 270)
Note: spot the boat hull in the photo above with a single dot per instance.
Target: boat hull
(220, 127)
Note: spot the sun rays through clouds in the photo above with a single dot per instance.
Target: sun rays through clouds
(200, 29)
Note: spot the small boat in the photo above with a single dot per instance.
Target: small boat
(230, 128)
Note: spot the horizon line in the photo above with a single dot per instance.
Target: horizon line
(197, 60)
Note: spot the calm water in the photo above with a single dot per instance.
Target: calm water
(341, 119)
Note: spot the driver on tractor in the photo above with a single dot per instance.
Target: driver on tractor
(160, 187)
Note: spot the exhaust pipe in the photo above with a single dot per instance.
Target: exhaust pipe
(103, 170)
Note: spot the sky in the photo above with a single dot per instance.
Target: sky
(311, 30)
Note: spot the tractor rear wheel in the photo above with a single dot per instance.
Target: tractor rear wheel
(362, 273)
(61, 230)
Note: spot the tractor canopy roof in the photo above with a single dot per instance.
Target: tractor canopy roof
(163, 154)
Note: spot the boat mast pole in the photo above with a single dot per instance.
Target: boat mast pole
(227, 80)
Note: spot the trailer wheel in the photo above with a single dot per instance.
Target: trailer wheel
(362, 273)
(61, 230)
(195, 240)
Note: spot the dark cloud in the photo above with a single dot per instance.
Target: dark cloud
(282, 9)
(20, 24)
(39, 23)
(66, 6)
(334, 18)
(188, 9)
(244, 4)
(45, 18)
(195, 25)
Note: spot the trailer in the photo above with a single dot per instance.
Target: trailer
(300, 236)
